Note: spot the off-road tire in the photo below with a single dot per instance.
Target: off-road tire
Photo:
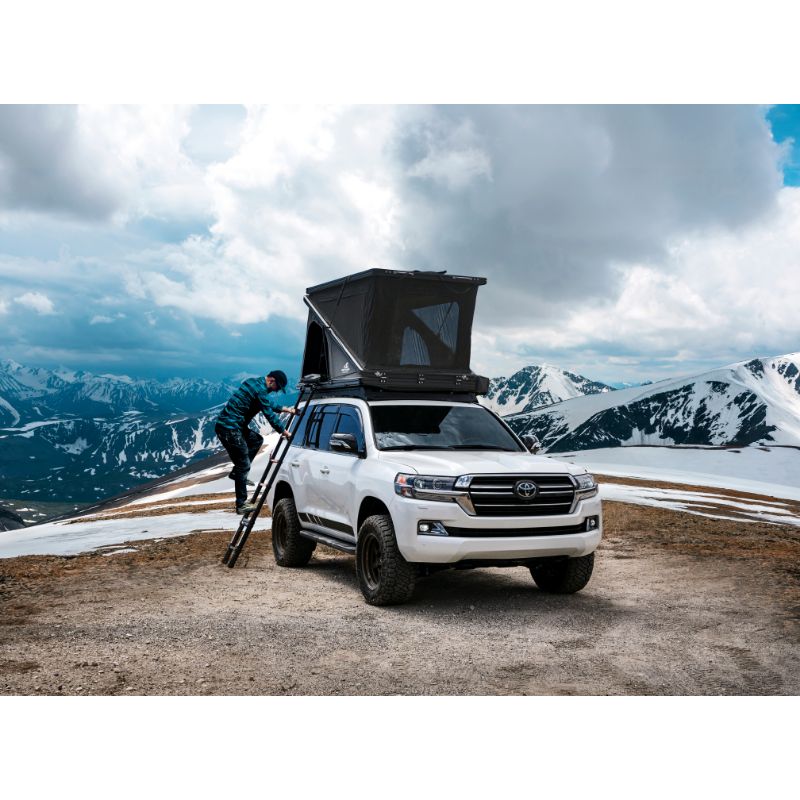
(563, 577)
(385, 577)
(290, 548)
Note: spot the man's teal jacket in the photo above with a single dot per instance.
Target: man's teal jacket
(250, 398)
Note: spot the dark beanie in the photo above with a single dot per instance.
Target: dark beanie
(279, 377)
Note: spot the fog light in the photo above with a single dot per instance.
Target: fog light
(432, 529)
(592, 523)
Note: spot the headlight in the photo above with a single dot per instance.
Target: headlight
(587, 486)
(436, 487)
(426, 487)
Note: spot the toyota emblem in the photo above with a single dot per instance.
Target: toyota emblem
(525, 490)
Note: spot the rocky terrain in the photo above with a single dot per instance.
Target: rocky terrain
(678, 605)
(695, 591)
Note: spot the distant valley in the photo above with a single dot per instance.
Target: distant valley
(76, 437)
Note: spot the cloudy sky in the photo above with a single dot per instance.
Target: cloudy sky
(621, 242)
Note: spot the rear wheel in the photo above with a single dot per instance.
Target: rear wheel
(563, 577)
(290, 548)
(384, 576)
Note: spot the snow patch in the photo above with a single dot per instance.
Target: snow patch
(694, 502)
(13, 411)
(63, 539)
(769, 471)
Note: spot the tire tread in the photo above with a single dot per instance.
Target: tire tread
(564, 577)
(398, 577)
(298, 549)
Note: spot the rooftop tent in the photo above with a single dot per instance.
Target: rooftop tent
(393, 330)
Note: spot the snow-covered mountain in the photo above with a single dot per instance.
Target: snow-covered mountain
(753, 402)
(29, 394)
(75, 436)
(536, 386)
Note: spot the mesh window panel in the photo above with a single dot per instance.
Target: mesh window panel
(415, 351)
(442, 321)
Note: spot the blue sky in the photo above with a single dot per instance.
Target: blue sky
(622, 242)
(785, 124)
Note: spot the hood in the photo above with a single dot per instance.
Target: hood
(463, 462)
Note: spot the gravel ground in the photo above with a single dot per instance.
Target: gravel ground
(677, 605)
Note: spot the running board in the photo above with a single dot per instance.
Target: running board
(331, 541)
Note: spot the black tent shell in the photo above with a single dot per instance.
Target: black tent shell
(393, 330)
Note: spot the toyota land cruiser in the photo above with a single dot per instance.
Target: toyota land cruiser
(411, 486)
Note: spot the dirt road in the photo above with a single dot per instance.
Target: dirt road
(677, 605)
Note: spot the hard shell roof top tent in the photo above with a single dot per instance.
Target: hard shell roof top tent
(393, 331)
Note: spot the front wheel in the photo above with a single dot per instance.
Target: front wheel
(384, 576)
(290, 548)
(563, 577)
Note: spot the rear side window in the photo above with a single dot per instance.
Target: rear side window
(312, 428)
(321, 427)
(299, 438)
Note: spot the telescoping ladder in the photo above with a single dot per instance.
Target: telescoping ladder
(307, 387)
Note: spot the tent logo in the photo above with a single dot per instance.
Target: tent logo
(346, 367)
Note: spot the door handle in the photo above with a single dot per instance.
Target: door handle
(295, 463)
(324, 470)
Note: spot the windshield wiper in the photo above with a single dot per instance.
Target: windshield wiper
(415, 447)
(481, 447)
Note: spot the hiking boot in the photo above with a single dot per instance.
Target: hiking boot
(233, 478)
(245, 509)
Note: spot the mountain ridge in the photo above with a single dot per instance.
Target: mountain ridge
(748, 402)
(535, 386)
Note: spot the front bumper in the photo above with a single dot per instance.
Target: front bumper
(469, 543)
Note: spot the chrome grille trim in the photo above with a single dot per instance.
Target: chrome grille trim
(493, 495)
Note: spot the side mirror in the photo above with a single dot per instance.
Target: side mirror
(532, 443)
(344, 443)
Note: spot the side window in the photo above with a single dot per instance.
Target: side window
(299, 438)
(327, 427)
(321, 426)
(312, 431)
(350, 422)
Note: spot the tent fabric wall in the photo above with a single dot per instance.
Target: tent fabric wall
(398, 328)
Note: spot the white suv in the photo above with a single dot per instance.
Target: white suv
(412, 486)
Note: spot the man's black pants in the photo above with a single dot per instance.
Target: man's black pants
(242, 446)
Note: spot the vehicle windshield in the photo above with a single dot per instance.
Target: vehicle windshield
(412, 427)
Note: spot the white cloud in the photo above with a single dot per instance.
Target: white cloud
(453, 156)
(308, 196)
(36, 301)
(105, 319)
(717, 296)
(95, 162)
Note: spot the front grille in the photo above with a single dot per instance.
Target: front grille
(493, 496)
(493, 533)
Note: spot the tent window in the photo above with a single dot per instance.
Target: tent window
(415, 351)
(315, 360)
(442, 321)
